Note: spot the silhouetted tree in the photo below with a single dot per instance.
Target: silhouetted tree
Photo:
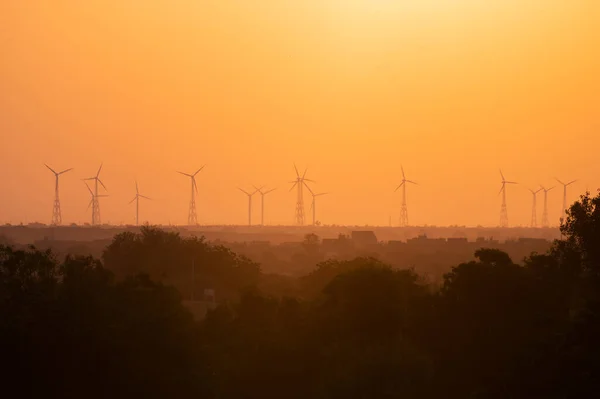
(69, 330)
(168, 257)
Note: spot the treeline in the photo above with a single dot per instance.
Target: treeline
(350, 329)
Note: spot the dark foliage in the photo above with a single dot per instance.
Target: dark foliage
(167, 257)
(68, 330)
(358, 329)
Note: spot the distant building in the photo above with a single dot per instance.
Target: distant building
(396, 243)
(457, 240)
(364, 238)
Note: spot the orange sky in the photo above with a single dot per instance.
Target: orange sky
(451, 89)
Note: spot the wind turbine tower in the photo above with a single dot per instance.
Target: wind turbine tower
(534, 207)
(249, 203)
(545, 213)
(564, 204)
(137, 203)
(313, 206)
(503, 210)
(95, 203)
(299, 183)
(404, 209)
(56, 214)
(192, 216)
(262, 203)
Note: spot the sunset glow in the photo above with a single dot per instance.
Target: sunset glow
(451, 90)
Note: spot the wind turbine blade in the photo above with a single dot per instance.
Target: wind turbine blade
(90, 204)
(89, 189)
(99, 169)
(134, 198)
(542, 187)
(143, 196)
(559, 181)
(271, 190)
(198, 171)
(538, 190)
(257, 189)
(401, 184)
(52, 170)
(402, 168)
(309, 190)
(297, 173)
(136, 188)
(413, 182)
(100, 181)
(316, 195)
(511, 182)
(571, 182)
(501, 174)
(309, 180)
(185, 174)
(550, 188)
(294, 185)
(103, 195)
(65, 171)
(244, 191)
(194, 183)
(305, 170)
(501, 188)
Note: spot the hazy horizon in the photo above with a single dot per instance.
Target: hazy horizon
(451, 90)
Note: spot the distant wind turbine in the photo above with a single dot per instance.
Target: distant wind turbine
(404, 209)
(262, 203)
(95, 202)
(137, 203)
(503, 210)
(313, 205)
(249, 203)
(299, 184)
(56, 213)
(545, 212)
(564, 204)
(534, 207)
(192, 216)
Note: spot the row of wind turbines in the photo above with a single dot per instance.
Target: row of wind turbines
(94, 203)
(545, 223)
(299, 183)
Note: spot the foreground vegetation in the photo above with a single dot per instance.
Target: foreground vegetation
(85, 328)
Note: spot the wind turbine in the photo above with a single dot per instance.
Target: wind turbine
(534, 207)
(403, 209)
(95, 203)
(262, 203)
(249, 203)
(564, 205)
(192, 217)
(313, 204)
(503, 211)
(137, 203)
(56, 214)
(299, 183)
(545, 213)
